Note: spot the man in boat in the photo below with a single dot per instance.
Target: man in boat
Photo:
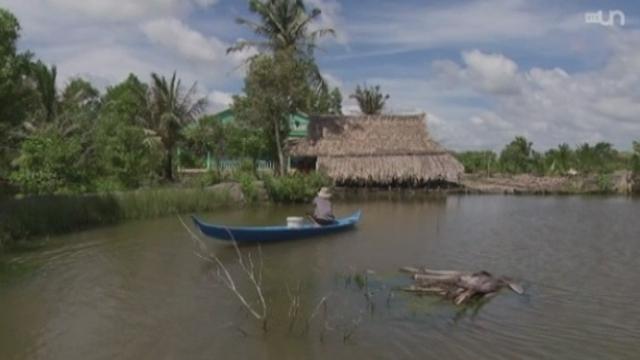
(323, 213)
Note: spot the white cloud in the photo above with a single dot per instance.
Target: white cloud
(128, 10)
(173, 34)
(549, 105)
(396, 27)
(426, 26)
(206, 3)
(108, 63)
(219, 100)
(331, 18)
(491, 72)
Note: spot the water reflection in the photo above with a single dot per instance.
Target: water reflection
(138, 291)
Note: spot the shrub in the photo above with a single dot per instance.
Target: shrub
(125, 160)
(296, 187)
(476, 162)
(210, 178)
(248, 186)
(605, 183)
(50, 163)
(517, 156)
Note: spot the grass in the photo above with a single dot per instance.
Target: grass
(30, 217)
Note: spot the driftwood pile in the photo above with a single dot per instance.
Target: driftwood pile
(458, 286)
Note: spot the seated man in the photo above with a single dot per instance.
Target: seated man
(323, 213)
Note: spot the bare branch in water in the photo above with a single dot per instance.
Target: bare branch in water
(355, 324)
(225, 276)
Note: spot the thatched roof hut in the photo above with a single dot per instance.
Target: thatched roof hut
(376, 150)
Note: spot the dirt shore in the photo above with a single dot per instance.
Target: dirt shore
(621, 182)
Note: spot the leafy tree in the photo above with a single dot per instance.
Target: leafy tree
(560, 160)
(80, 96)
(168, 108)
(124, 159)
(600, 158)
(45, 82)
(517, 156)
(246, 143)
(127, 157)
(370, 100)
(207, 136)
(127, 100)
(52, 163)
(16, 94)
(324, 102)
(275, 87)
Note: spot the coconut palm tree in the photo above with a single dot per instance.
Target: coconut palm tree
(370, 100)
(45, 84)
(283, 25)
(168, 108)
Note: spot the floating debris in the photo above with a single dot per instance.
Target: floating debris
(458, 286)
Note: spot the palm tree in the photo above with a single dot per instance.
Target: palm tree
(168, 108)
(45, 84)
(370, 100)
(284, 25)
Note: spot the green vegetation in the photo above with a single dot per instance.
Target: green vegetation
(370, 99)
(479, 162)
(296, 187)
(519, 157)
(284, 78)
(168, 109)
(75, 140)
(73, 153)
(55, 214)
(635, 158)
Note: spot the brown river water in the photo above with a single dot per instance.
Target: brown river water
(137, 291)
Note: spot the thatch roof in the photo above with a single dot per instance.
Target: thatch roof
(381, 149)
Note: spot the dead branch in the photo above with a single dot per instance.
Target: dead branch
(225, 276)
(458, 286)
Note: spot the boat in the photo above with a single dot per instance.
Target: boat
(251, 234)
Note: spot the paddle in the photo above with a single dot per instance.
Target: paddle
(312, 219)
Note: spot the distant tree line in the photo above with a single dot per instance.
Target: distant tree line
(519, 157)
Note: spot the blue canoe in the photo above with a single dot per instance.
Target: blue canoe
(274, 233)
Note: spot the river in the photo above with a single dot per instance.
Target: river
(138, 291)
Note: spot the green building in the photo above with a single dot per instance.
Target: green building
(298, 122)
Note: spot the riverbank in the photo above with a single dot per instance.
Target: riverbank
(41, 216)
(620, 182)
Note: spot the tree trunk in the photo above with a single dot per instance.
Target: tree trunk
(168, 165)
(281, 161)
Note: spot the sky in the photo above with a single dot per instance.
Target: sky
(483, 71)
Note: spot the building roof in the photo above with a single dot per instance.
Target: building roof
(366, 135)
(377, 149)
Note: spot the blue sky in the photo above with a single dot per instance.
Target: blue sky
(483, 71)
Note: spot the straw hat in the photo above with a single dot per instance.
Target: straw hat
(324, 193)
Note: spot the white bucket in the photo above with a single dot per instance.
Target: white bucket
(295, 222)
